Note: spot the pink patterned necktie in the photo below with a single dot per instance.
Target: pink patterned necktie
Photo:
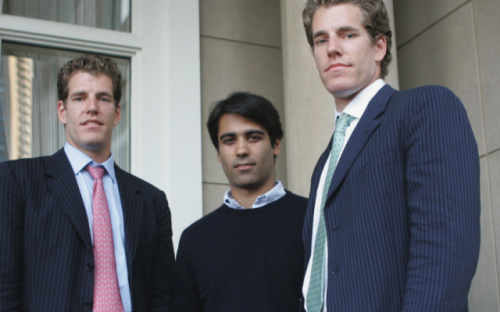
(106, 291)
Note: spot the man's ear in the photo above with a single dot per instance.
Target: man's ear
(61, 112)
(218, 156)
(380, 48)
(118, 111)
(277, 147)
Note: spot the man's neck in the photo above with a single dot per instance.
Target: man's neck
(99, 156)
(342, 102)
(246, 197)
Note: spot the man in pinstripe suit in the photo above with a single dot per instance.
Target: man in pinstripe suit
(49, 259)
(395, 226)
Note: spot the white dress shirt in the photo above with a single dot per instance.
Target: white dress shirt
(79, 161)
(355, 108)
(272, 195)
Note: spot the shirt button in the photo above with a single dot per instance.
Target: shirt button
(87, 304)
(90, 267)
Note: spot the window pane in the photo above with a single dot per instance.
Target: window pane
(29, 126)
(107, 14)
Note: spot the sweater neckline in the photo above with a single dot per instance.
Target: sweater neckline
(262, 209)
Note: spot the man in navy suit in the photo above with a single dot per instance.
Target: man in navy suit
(77, 233)
(393, 214)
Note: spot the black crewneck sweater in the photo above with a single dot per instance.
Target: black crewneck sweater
(243, 260)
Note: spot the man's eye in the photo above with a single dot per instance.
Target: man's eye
(320, 41)
(78, 99)
(228, 141)
(350, 36)
(255, 138)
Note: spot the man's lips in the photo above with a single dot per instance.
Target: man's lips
(336, 66)
(92, 122)
(244, 166)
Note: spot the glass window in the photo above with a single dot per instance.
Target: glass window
(107, 14)
(29, 126)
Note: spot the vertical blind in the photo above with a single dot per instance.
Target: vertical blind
(29, 126)
(107, 14)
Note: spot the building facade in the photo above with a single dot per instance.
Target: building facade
(178, 57)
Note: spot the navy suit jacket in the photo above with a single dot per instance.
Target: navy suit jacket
(402, 213)
(46, 254)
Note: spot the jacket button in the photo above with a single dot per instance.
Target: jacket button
(87, 304)
(90, 267)
(335, 271)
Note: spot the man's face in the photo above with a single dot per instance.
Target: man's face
(89, 113)
(346, 58)
(245, 153)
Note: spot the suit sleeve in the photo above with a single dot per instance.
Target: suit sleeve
(443, 196)
(11, 240)
(165, 261)
(186, 293)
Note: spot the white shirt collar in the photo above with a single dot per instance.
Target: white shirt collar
(79, 161)
(272, 195)
(358, 105)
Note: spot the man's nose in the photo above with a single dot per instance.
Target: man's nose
(92, 105)
(241, 147)
(334, 46)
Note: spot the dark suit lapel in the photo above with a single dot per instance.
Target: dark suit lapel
(368, 123)
(65, 188)
(132, 213)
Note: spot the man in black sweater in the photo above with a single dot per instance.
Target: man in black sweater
(248, 254)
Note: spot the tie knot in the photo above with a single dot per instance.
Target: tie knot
(96, 172)
(343, 122)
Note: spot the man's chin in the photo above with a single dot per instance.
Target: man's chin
(345, 92)
(94, 146)
(247, 184)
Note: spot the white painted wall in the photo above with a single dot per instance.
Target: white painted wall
(166, 116)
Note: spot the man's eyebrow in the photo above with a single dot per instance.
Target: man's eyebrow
(319, 33)
(77, 93)
(249, 132)
(106, 93)
(227, 134)
(255, 132)
(347, 28)
(102, 93)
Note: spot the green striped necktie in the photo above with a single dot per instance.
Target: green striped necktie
(316, 290)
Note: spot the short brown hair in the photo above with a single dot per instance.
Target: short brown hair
(94, 65)
(375, 21)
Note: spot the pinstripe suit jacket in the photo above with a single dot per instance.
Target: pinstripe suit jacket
(46, 256)
(402, 213)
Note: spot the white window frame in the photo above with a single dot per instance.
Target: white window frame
(165, 111)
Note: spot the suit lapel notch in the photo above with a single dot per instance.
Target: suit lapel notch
(378, 103)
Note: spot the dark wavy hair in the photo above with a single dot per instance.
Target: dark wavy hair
(375, 21)
(251, 106)
(94, 65)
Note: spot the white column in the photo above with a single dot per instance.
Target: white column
(166, 134)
